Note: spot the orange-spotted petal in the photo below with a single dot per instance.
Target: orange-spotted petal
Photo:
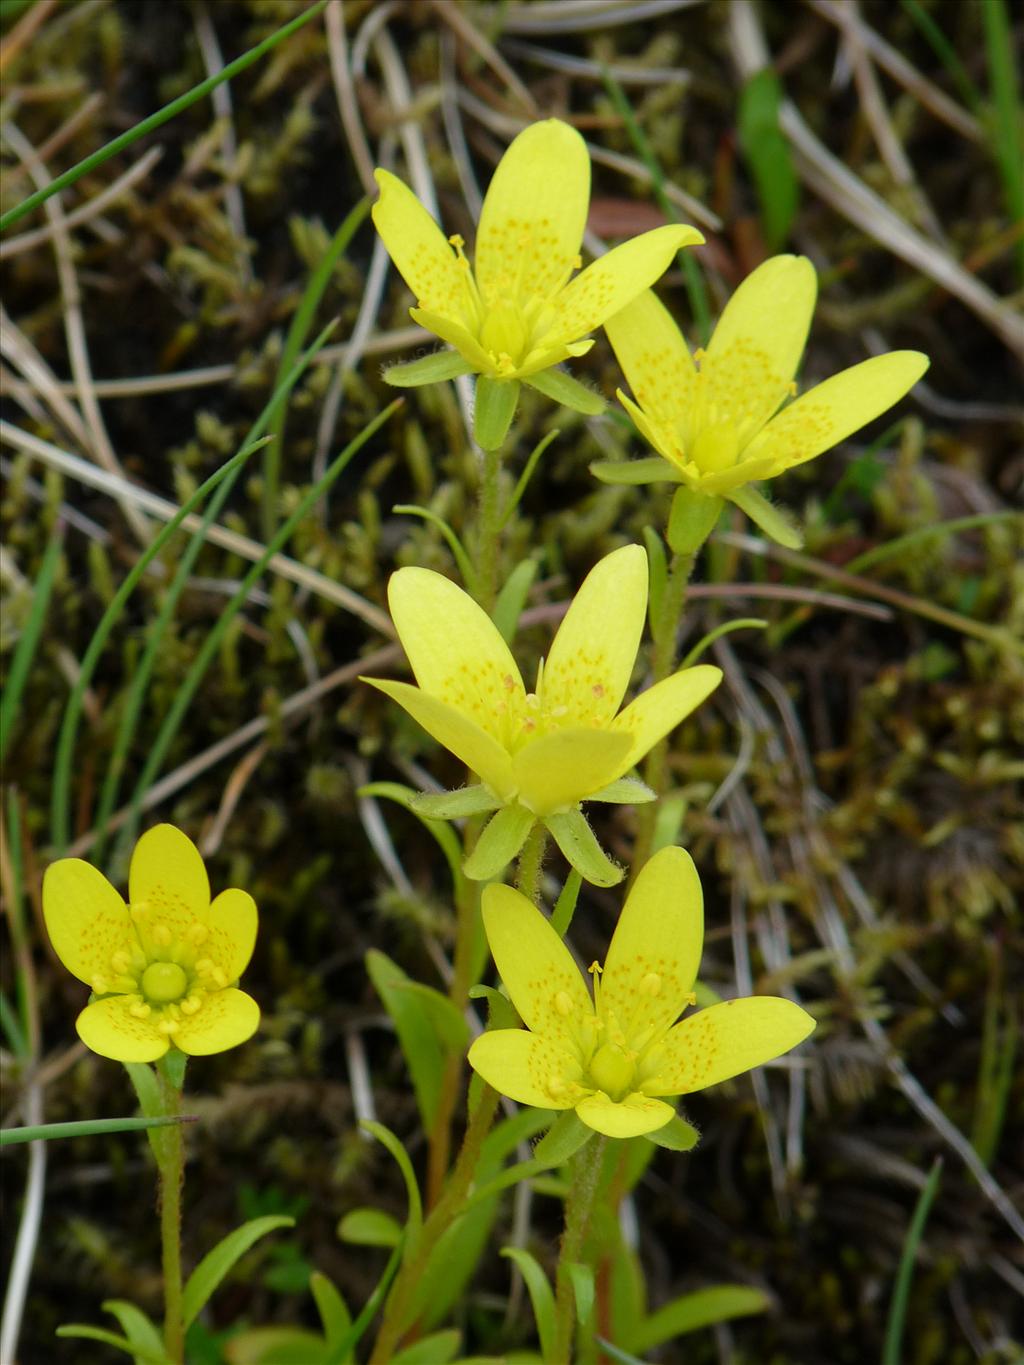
(86, 919)
(631, 1117)
(525, 1066)
(109, 1028)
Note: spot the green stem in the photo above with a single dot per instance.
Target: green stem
(530, 861)
(396, 1321)
(489, 530)
(586, 1176)
(665, 630)
(171, 1165)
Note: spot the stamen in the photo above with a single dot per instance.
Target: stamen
(651, 984)
(190, 1004)
(100, 985)
(161, 935)
(120, 962)
(198, 934)
(140, 1010)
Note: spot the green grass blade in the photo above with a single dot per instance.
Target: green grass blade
(695, 288)
(1008, 143)
(169, 111)
(297, 333)
(26, 647)
(211, 644)
(946, 53)
(9, 1137)
(141, 675)
(892, 1348)
(768, 153)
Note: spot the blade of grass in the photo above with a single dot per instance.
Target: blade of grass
(161, 116)
(26, 647)
(9, 1137)
(211, 644)
(698, 296)
(297, 333)
(143, 670)
(1008, 143)
(946, 53)
(892, 1348)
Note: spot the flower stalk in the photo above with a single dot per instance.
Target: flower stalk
(586, 1178)
(170, 1155)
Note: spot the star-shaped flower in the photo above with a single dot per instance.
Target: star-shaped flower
(517, 311)
(538, 754)
(163, 967)
(715, 416)
(615, 1056)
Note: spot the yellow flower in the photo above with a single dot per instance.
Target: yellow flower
(518, 312)
(614, 1057)
(540, 753)
(715, 417)
(162, 968)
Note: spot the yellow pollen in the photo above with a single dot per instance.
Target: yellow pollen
(691, 998)
(140, 1010)
(198, 934)
(563, 1004)
(791, 388)
(120, 962)
(204, 965)
(99, 985)
(168, 1026)
(457, 241)
(190, 1004)
(219, 977)
(161, 935)
(651, 984)
(595, 968)
(556, 1087)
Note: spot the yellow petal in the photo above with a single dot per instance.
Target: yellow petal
(835, 409)
(627, 1118)
(757, 344)
(85, 917)
(726, 1040)
(616, 278)
(655, 359)
(537, 968)
(566, 766)
(418, 248)
(106, 1027)
(660, 709)
(168, 878)
(232, 926)
(455, 649)
(457, 335)
(523, 1066)
(224, 1019)
(655, 950)
(534, 213)
(477, 749)
(592, 656)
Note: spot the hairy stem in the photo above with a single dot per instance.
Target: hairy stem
(171, 1167)
(586, 1176)
(530, 861)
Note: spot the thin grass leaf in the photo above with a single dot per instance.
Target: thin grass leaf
(1008, 141)
(946, 53)
(340, 1352)
(510, 602)
(443, 833)
(524, 478)
(456, 546)
(541, 1296)
(25, 650)
(9, 1137)
(225, 1255)
(767, 150)
(414, 1218)
(892, 1350)
(169, 111)
(742, 623)
(85, 1332)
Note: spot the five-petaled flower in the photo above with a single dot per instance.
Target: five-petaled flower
(517, 311)
(538, 754)
(612, 1058)
(714, 416)
(162, 968)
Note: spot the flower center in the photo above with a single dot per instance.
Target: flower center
(504, 332)
(163, 982)
(715, 448)
(612, 1070)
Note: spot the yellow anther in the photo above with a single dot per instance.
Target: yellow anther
(161, 935)
(219, 978)
(457, 241)
(100, 985)
(651, 984)
(563, 1004)
(204, 965)
(190, 1004)
(198, 934)
(120, 962)
(691, 998)
(556, 1087)
(595, 968)
(168, 1026)
(140, 1010)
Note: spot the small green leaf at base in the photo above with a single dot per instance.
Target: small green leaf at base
(776, 524)
(582, 1278)
(676, 1136)
(499, 843)
(541, 1297)
(575, 838)
(429, 369)
(455, 805)
(495, 407)
(562, 388)
(702, 1308)
(216, 1263)
(651, 469)
(563, 1139)
(691, 520)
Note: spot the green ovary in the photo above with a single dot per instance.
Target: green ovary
(613, 1071)
(504, 331)
(163, 982)
(714, 449)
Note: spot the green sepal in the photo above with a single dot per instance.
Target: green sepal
(429, 369)
(575, 838)
(563, 1139)
(499, 843)
(625, 791)
(776, 524)
(691, 520)
(455, 805)
(493, 411)
(651, 469)
(562, 388)
(677, 1136)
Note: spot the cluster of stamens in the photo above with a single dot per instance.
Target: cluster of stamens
(163, 978)
(712, 435)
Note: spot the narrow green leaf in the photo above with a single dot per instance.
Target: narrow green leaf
(565, 906)
(1007, 137)
(582, 1278)
(892, 1349)
(455, 805)
(512, 598)
(225, 1255)
(334, 1315)
(649, 469)
(437, 1349)
(541, 1297)
(501, 1013)
(87, 1333)
(524, 478)
(691, 520)
(386, 1138)
(493, 411)
(444, 1018)
(563, 1139)
(15, 1035)
(454, 543)
(502, 838)
(340, 1351)
(428, 369)
(160, 117)
(370, 1228)
(668, 821)
(24, 653)
(676, 1136)
(445, 836)
(140, 1330)
(9, 1137)
(776, 524)
(270, 1346)
(742, 623)
(657, 575)
(625, 791)
(561, 388)
(768, 154)
(575, 838)
(703, 1308)
(421, 1047)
